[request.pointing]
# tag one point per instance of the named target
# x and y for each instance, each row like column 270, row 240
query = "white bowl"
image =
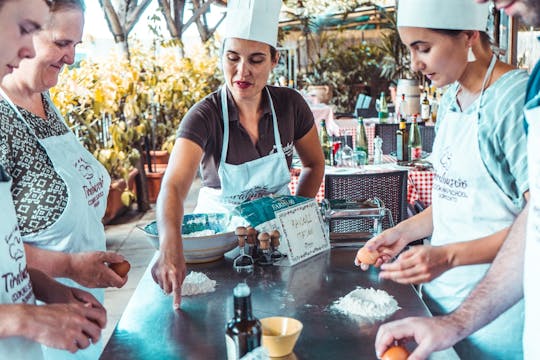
column 199, row 249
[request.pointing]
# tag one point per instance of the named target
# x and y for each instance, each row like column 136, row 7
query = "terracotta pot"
column 153, row 181
column 158, row 157
column 323, row 93
column 115, row 207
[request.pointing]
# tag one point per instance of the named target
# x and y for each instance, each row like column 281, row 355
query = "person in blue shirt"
column 512, row 276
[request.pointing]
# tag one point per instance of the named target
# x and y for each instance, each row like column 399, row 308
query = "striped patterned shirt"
column 501, row 135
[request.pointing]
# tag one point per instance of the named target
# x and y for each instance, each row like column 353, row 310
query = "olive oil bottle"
column 243, row 332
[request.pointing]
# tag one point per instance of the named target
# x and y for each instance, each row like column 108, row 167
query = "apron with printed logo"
column 264, row 176
column 531, row 334
column 16, row 285
column 468, row 204
column 79, row 228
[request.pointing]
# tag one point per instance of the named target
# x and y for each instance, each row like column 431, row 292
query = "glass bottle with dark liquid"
column 243, row 332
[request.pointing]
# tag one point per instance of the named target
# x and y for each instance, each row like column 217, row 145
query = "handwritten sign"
column 303, row 232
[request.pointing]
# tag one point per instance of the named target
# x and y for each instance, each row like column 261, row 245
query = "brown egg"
column 121, row 268
column 396, row 352
column 366, row 256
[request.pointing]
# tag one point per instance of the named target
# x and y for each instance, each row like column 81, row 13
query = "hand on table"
column 419, row 264
column 431, row 334
column 70, row 327
column 90, row 269
column 387, row 244
column 169, row 272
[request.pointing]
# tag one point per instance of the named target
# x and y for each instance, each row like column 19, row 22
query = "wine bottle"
column 402, row 142
column 403, row 108
column 361, row 142
column 383, row 109
column 415, row 141
column 243, row 332
column 326, row 144
column 425, row 108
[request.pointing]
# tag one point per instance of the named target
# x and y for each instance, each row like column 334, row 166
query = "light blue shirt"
column 501, row 135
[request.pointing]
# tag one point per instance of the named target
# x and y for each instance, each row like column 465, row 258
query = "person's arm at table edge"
column 87, row 268
column 310, row 152
column 181, row 170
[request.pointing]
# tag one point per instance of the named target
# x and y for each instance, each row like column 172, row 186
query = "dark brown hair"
column 273, row 51
column 485, row 40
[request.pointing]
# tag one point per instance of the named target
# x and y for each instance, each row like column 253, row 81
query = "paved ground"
column 124, row 237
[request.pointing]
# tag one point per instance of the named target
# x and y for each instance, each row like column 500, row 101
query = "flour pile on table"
column 197, row 283
column 367, row 303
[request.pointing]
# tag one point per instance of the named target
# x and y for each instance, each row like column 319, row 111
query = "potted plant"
column 111, row 105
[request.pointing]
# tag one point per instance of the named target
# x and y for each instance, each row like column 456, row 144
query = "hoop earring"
column 470, row 55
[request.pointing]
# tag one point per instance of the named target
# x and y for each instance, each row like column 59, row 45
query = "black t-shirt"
column 203, row 125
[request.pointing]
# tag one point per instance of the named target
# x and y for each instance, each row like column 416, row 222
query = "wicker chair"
column 428, row 137
column 390, row 187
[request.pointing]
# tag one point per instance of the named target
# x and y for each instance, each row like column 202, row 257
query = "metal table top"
column 150, row 329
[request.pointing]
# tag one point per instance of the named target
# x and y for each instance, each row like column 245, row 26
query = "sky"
column 96, row 26
column 98, row 41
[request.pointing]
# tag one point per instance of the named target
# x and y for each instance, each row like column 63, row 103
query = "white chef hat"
column 443, row 14
column 255, row 20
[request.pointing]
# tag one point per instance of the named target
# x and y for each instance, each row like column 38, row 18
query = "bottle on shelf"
column 425, row 111
column 402, row 142
column 326, row 144
column 434, row 104
column 361, row 146
column 243, row 332
column 403, row 109
column 415, row 141
column 382, row 109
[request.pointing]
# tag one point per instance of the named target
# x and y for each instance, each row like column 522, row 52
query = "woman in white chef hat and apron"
column 69, row 326
column 242, row 136
column 480, row 163
column 59, row 189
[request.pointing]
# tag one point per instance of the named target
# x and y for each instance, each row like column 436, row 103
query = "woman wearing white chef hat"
column 479, row 157
column 242, row 137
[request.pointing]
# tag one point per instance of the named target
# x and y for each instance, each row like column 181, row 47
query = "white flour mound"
column 197, row 283
column 367, row 303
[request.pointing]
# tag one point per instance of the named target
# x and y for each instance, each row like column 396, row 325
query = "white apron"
column 468, row 204
column 79, row 228
column 531, row 334
column 16, row 287
column 253, row 179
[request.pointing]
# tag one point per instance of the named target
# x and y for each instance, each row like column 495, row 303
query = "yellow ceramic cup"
column 280, row 335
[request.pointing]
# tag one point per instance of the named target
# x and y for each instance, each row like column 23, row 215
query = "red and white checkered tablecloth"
column 293, row 184
column 419, row 184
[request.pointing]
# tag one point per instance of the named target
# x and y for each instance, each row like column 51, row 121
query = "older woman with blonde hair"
column 73, row 318
column 59, row 189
